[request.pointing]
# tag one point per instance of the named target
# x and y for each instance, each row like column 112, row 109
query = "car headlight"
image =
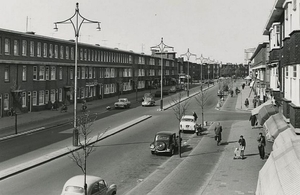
column 152, row 146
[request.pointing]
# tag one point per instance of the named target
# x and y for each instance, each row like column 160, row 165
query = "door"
column 29, row 103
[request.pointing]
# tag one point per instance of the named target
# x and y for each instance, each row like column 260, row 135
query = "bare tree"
column 202, row 99
column 85, row 142
column 179, row 107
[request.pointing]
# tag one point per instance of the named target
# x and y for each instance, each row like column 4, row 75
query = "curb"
column 64, row 151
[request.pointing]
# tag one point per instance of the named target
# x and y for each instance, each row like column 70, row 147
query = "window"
column 34, row 98
column 39, row 49
column 83, row 73
column 78, row 72
column 61, row 52
column 0, row 45
column 287, row 71
column 16, row 47
column 45, row 50
column 41, row 98
column 294, row 5
column 60, row 93
column 7, row 46
column 31, row 48
column 35, row 73
column 50, row 51
column 24, row 73
column 86, row 72
column 47, row 96
column 85, row 55
column 6, row 101
column 95, row 189
column 94, row 72
column 52, row 95
column 81, row 54
column 67, row 52
column 295, row 71
column 71, row 73
column 24, row 48
column 47, row 73
column 60, row 73
column 6, row 74
column 72, row 53
column 23, row 99
column 56, row 51
column 90, row 72
column 42, row 73
column 53, row 72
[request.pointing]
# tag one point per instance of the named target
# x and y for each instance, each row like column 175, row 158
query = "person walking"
column 246, row 102
column 261, row 145
column 253, row 120
column 218, row 133
column 242, row 143
column 195, row 116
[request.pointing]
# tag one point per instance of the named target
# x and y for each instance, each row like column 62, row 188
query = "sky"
column 218, row 29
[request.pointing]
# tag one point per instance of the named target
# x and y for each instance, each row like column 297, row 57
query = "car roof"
column 79, row 180
column 165, row 132
column 188, row 116
column 123, row 98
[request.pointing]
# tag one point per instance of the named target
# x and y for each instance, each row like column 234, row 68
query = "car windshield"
column 75, row 189
column 122, row 100
column 162, row 137
column 187, row 120
column 147, row 99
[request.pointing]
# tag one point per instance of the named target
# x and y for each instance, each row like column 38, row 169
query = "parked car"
column 173, row 89
column 95, row 185
column 122, row 103
column 188, row 123
column 148, row 101
column 165, row 92
column 164, row 142
column 157, row 93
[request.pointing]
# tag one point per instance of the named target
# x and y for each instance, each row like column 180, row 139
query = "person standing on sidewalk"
column 242, row 143
column 218, row 133
column 195, row 116
column 261, row 145
column 246, row 102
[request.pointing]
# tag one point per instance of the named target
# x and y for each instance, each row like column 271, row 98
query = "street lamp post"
column 188, row 54
column 162, row 46
column 76, row 25
column 201, row 58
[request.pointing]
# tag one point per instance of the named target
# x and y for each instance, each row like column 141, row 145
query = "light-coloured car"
column 148, row 101
column 95, row 185
column 122, row 103
column 188, row 123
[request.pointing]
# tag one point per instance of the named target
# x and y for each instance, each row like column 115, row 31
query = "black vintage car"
column 164, row 142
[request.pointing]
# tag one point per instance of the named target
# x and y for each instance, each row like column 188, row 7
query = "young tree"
column 201, row 99
column 179, row 107
column 85, row 142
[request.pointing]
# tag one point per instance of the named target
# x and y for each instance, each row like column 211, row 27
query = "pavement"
column 227, row 176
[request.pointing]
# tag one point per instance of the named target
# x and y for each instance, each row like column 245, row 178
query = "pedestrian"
column 231, row 92
column 242, row 143
column 246, row 102
column 254, row 102
column 195, row 116
column 253, row 120
column 218, row 133
column 243, row 85
column 261, row 145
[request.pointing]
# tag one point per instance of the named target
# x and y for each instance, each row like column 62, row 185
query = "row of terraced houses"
column 276, row 63
column 275, row 66
column 35, row 70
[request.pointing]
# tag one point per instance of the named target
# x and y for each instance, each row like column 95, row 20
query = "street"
column 123, row 159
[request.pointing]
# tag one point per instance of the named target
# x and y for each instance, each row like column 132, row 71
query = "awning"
column 248, row 77
column 284, row 137
column 274, row 125
column 265, row 112
column 280, row 175
column 256, row 110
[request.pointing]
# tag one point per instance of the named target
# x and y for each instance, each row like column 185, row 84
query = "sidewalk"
column 229, row 176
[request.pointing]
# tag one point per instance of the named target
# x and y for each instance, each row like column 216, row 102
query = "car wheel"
column 152, row 152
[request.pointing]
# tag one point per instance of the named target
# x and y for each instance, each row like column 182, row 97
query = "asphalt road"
column 123, row 159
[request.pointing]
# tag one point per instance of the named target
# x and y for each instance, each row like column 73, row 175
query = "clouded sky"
column 218, row 29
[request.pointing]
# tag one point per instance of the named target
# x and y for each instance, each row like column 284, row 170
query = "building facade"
column 37, row 71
